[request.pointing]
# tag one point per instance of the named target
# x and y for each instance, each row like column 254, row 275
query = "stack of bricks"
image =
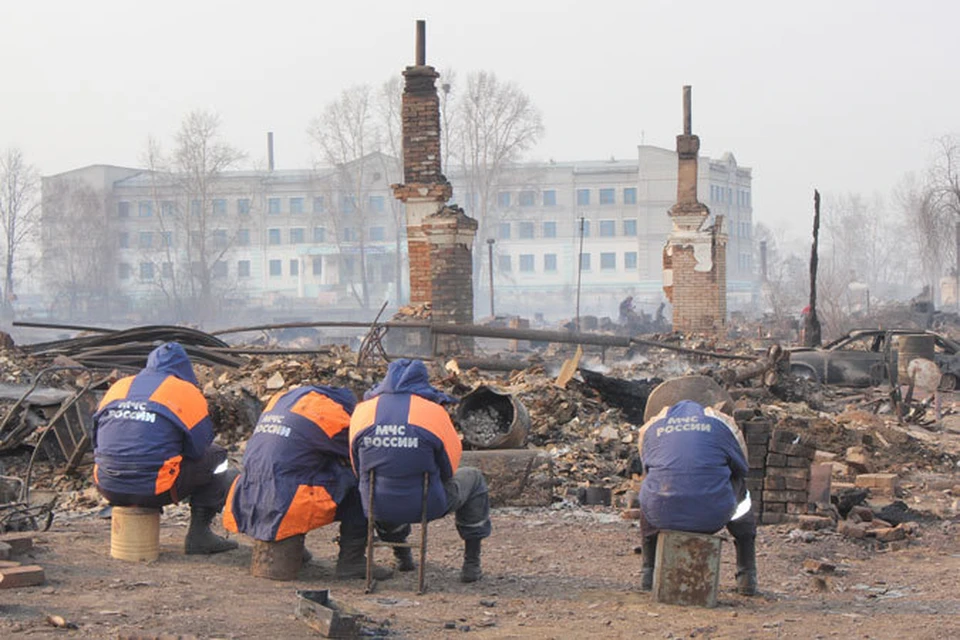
column 757, row 435
column 450, row 234
column 420, row 112
column 699, row 297
column 787, row 476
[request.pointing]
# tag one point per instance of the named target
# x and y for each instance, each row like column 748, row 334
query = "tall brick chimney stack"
column 694, row 258
column 439, row 237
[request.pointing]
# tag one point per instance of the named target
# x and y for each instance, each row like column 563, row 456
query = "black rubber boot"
column 471, row 571
column 404, row 559
column 352, row 560
column 649, row 548
column 746, row 565
column 201, row 540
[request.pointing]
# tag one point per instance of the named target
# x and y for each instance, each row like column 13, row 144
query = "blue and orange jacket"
column 690, row 455
column 401, row 431
column 148, row 423
column 295, row 467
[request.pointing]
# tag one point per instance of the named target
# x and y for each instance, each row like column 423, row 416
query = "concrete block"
column 18, row 543
column 815, row 523
column 687, row 569
column 515, row 477
column 890, row 534
column 852, row 529
column 818, row 489
column 878, row 481
column 25, row 576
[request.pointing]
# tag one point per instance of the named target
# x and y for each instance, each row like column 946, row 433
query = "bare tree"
column 345, row 132
column 931, row 227
column 390, row 108
column 491, row 125
column 185, row 184
column 19, row 213
column 84, row 261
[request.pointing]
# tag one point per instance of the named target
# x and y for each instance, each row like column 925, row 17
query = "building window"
column 607, row 196
column 318, row 204
column 276, row 267
column 219, row 238
column 219, row 207
column 166, row 209
column 549, row 198
column 349, row 234
column 146, row 271
column 318, row 266
column 525, row 231
column 503, row 263
column 166, row 239
column 296, row 205
column 273, row 236
column 608, row 228
column 243, row 237
column 145, row 209
column 219, row 269
column 584, row 262
column 319, row 234
column 527, row 198
column 123, row 271
column 243, row 206
column 298, row 235
column 124, row 240
column 348, row 204
column 630, row 227
column 608, row 260
column 503, row 231
column 630, row 195
column 729, row 195
column 123, row 209
column 273, row 206
column 503, row 199
column 583, row 197
column 630, row 260
column 526, row 263
column 377, row 204
column 549, row 262
column 378, row 234
column 166, row 270
column 550, row 229
column 294, row 266
column 243, row 269
column 195, row 207
column 146, row 240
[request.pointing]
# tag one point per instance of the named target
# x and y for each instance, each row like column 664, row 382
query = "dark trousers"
column 743, row 528
column 196, row 482
column 467, row 497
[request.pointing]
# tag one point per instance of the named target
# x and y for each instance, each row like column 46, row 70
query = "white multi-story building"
column 267, row 239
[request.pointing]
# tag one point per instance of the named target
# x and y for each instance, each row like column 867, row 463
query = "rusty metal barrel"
column 492, row 419
column 910, row 347
column 279, row 560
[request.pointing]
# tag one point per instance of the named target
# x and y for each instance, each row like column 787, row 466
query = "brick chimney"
column 439, row 238
column 694, row 258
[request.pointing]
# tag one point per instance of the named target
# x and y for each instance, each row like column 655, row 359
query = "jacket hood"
column 341, row 395
column 409, row 376
column 171, row 359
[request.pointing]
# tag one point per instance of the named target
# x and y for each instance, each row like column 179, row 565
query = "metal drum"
column 910, row 347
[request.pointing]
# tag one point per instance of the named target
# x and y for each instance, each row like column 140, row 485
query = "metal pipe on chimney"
column 687, row 108
column 270, row 150
column 421, row 43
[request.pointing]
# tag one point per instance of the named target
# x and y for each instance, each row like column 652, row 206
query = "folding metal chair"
column 372, row 543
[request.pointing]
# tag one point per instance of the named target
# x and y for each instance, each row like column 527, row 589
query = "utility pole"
column 579, row 272
column 490, row 242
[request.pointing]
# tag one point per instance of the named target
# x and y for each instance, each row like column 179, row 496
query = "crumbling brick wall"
column 451, row 233
column 699, row 297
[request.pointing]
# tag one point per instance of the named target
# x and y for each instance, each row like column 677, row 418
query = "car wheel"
column 948, row 382
column 805, row 373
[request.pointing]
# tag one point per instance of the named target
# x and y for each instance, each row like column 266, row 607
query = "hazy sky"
column 839, row 95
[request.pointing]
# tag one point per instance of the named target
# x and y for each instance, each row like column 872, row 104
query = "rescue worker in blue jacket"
column 153, row 446
column 695, row 462
column 400, row 432
column 297, row 477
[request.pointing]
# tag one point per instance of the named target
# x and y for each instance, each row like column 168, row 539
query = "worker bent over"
column 152, row 441
column 400, row 432
column 695, row 461
column 297, row 477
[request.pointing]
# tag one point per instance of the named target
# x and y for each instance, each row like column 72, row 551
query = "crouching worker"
column 152, row 443
column 400, row 432
column 297, row 477
column 695, row 461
